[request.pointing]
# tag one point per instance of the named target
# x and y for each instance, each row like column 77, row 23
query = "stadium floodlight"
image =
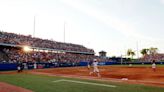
column 26, row 48
column 46, row 51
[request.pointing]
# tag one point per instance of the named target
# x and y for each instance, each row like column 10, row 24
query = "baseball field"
column 137, row 78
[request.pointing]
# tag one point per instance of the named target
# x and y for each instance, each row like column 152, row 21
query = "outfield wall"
column 13, row 66
column 119, row 63
column 5, row 67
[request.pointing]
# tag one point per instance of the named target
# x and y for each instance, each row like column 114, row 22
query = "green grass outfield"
column 42, row 83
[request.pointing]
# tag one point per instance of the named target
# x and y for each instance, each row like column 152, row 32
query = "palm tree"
column 153, row 50
column 144, row 51
column 130, row 53
column 150, row 52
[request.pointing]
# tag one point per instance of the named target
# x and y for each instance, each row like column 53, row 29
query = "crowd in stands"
column 17, row 39
column 15, row 55
column 18, row 55
column 150, row 57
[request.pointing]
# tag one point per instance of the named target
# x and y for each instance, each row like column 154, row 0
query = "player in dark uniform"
column 20, row 67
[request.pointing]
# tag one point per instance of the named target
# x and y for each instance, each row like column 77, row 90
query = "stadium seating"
column 16, row 54
column 17, row 39
column 150, row 57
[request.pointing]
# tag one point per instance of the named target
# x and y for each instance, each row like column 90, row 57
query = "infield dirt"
column 134, row 75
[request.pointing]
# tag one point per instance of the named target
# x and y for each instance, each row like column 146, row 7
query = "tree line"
column 145, row 51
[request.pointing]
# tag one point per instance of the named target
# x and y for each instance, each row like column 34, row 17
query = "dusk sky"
column 110, row 25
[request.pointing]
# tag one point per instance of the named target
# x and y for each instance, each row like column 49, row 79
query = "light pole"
column 64, row 32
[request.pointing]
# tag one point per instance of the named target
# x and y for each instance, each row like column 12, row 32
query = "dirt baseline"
column 135, row 75
column 4, row 87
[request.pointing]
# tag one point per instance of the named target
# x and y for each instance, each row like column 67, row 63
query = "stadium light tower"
column 64, row 32
column 34, row 28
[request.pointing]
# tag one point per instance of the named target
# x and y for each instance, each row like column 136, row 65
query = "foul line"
column 89, row 83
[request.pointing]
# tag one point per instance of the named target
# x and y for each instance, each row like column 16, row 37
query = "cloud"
column 162, row 2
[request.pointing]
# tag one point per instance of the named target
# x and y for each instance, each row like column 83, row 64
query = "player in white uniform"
column 154, row 66
column 95, row 68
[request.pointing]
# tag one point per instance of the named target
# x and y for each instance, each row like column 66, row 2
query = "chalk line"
column 89, row 83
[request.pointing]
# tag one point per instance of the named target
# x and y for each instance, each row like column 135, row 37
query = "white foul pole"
column 137, row 51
